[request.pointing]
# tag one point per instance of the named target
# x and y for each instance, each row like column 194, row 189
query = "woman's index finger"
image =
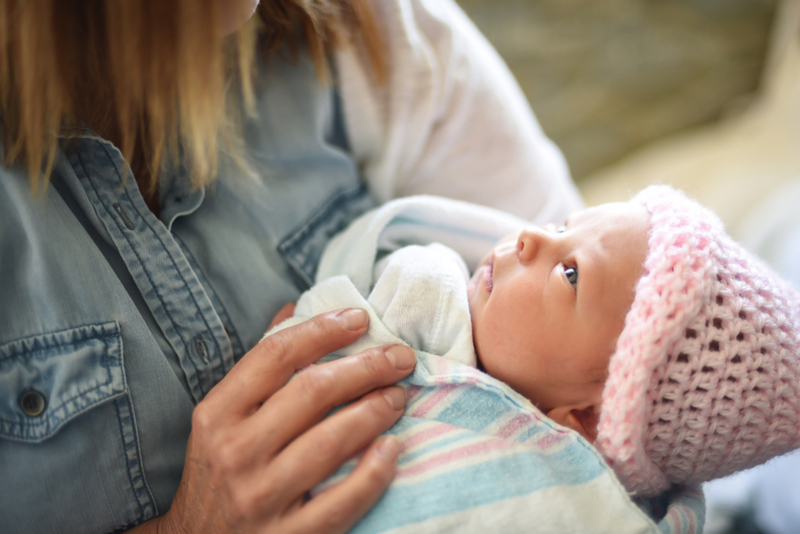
column 273, row 361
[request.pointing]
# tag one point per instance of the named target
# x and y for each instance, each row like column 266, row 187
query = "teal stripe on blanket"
column 471, row 486
column 475, row 409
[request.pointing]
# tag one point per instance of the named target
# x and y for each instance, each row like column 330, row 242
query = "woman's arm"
column 450, row 120
column 260, row 441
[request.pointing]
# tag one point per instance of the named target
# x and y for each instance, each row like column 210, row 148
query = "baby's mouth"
column 488, row 275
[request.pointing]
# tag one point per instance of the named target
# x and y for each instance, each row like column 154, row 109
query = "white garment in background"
column 450, row 120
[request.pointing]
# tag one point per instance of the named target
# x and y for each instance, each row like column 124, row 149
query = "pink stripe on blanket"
column 453, row 456
column 429, row 433
column 435, row 398
column 549, row 440
column 514, row 426
column 411, row 392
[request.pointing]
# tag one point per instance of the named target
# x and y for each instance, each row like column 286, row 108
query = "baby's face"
column 548, row 304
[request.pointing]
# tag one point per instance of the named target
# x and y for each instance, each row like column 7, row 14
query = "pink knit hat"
column 705, row 379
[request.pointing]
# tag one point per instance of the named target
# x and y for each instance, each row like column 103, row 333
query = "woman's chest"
column 114, row 323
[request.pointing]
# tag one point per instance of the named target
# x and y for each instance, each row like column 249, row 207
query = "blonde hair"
column 153, row 74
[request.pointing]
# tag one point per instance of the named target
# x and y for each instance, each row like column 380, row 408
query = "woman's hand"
column 258, row 443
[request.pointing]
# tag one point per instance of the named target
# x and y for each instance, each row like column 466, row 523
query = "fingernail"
column 395, row 396
column 403, row 358
column 389, row 447
column 353, row 319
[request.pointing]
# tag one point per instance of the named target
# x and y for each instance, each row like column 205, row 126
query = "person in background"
column 172, row 170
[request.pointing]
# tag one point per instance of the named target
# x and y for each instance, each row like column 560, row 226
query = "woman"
column 172, row 171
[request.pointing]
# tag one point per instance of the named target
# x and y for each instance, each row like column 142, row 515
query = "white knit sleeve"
column 420, row 295
column 451, row 120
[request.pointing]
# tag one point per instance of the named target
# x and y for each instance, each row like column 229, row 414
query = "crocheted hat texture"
column 705, row 378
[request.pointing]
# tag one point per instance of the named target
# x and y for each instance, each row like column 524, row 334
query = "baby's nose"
column 529, row 242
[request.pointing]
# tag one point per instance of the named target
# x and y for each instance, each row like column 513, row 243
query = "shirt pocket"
column 66, row 422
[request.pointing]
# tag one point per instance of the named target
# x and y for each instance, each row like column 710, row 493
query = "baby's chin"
column 478, row 362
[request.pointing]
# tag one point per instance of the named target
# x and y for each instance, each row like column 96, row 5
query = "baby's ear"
column 581, row 420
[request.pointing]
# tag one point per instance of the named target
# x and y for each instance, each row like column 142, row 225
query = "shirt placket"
column 158, row 266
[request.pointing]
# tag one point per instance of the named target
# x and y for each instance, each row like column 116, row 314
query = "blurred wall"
column 607, row 76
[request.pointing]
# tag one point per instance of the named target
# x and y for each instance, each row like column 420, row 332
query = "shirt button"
column 32, row 403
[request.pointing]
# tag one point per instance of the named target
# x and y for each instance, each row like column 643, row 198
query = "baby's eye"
column 560, row 229
column 572, row 276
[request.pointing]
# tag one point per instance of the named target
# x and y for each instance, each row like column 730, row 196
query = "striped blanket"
column 477, row 457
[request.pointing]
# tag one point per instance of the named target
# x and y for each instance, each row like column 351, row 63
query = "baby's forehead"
column 615, row 225
column 607, row 211
column 611, row 245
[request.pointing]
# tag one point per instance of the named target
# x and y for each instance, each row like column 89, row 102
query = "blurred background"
column 700, row 94
column 607, row 76
column 703, row 94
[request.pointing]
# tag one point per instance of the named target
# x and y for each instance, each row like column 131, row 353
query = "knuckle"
column 316, row 384
column 378, row 408
column 324, row 324
column 379, row 474
column 329, row 441
column 202, row 418
column 254, row 497
column 336, row 518
column 253, row 379
column 278, row 347
column 226, row 455
column 375, row 363
column 321, row 326
column 285, row 347
column 244, row 504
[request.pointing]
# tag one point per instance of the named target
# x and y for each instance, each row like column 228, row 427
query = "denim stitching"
column 15, row 354
column 237, row 347
column 339, row 197
column 27, row 431
column 171, row 258
column 309, row 227
column 127, row 461
column 150, row 501
column 147, row 275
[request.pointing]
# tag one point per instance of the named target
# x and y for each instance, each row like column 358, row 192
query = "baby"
column 659, row 339
column 640, row 325
column 569, row 289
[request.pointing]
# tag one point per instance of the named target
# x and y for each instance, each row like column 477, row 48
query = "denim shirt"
column 114, row 323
